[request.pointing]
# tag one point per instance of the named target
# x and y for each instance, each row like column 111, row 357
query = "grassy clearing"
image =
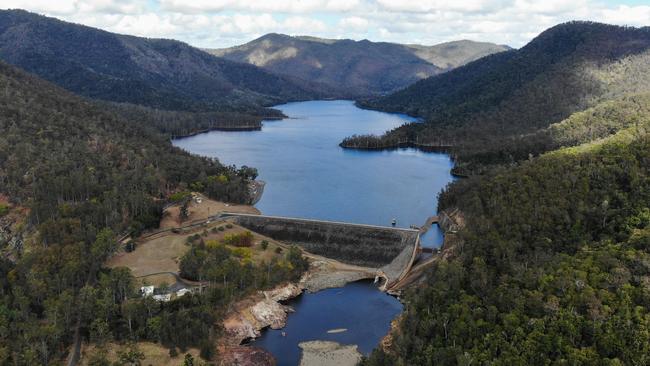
column 162, row 254
column 203, row 210
column 154, row 353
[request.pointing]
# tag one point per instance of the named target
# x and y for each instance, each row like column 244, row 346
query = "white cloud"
column 219, row 23
column 549, row 7
column 354, row 24
column 42, row 6
column 469, row 6
column 279, row 6
column 72, row 7
column 111, row 6
column 627, row 15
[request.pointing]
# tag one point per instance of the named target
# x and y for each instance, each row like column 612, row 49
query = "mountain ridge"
column 158, row 73
column 483, row 108
column 356, row 68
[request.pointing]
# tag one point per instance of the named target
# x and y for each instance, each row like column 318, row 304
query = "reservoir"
column 308, row 175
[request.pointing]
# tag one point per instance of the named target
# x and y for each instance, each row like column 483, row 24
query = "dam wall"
column 388, row 248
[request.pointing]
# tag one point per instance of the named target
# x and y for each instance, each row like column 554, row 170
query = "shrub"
column 179, row 196
column 214, row 230
column 135, row 228
column 244, row 239
column 265, row 244
column 4, row 209
column 243, row 253
column 221, row 228
column 298, row 262
column 130, row 246
column 173, row 352
column 278, row 250
column 228, row 226
column 211, row 244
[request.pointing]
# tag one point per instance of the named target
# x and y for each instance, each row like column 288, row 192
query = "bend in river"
column 308, row 175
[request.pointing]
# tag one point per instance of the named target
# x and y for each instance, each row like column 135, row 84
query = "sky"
column 225, row 23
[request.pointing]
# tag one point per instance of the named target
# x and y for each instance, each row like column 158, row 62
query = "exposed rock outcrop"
column 283, row 293
column 264, row 311
column 450, row 221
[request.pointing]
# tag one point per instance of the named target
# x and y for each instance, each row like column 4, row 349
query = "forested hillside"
column 553, row 264
column 355, row 68
column 184, row 123
column 157, row 73
column 483, row 109
column 74, row 177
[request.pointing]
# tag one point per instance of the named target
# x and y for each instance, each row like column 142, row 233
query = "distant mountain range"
column 497, row 109
column 157, row 73
column 355, row 68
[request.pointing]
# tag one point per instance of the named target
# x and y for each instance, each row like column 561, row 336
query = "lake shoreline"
column 256, row 126
column 448, row 150
column 256, row 189
column 401, row 145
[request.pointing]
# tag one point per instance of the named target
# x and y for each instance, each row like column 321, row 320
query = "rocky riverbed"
column 326, row 353
column 325, row 274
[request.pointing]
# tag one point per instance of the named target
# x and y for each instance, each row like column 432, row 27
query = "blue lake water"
column 308, row 175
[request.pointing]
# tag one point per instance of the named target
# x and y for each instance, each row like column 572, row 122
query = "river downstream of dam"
column 308, row 175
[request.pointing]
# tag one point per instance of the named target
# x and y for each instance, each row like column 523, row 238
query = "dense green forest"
column 157, row 73
column 76, row 177
column 182, row 123
column 63, row 156
column 553, row 264
column 487, row 110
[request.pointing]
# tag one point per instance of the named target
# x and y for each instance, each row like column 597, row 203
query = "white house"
column 146, row 291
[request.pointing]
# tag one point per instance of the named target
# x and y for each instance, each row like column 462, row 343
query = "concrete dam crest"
column 391, row 251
